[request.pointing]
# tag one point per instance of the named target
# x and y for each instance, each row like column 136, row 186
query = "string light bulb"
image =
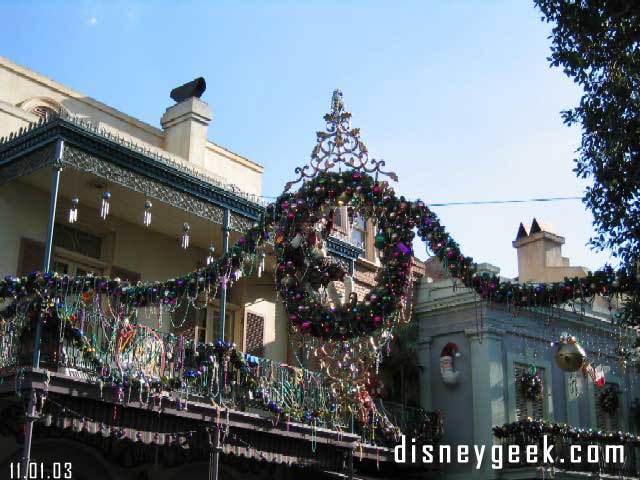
column 146, row 219
column 104, row 205
column 73, row 211
column 185, row 236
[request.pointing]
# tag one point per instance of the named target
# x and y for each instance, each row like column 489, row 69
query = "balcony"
column 141, row 363
column 576, row 452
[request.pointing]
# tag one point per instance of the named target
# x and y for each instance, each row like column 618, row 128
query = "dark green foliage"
column 597, row 43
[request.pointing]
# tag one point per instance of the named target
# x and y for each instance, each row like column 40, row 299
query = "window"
column 77, row 241
column 528, row 407
column 359, row 230
column 43, row 111
column 76, row 252
column 338, row 220
column 607, row 421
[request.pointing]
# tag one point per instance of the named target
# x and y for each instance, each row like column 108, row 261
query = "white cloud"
column 92, row 20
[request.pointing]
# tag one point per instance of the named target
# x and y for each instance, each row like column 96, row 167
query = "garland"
column 306, row 220
column 301, row 271
column 528, row 431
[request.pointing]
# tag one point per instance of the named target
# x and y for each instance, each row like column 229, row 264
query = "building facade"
column 476, row 356
column 92, row 193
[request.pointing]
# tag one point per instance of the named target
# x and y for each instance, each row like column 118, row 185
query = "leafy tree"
column 597, row 43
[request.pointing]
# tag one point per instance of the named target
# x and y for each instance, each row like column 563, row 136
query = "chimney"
column 540, row 255
column 185, row 123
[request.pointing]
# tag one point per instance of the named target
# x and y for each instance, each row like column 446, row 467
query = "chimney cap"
column 194, row 88
column 523, row 232
column 540, row 226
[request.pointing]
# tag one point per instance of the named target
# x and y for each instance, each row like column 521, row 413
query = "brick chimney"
column 540, row 255
column 185, row 123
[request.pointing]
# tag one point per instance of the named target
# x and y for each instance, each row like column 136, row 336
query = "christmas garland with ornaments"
column 126, row 354
column 298, row 223
column 529, row 430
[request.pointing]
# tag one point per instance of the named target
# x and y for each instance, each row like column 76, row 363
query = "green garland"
column 529, row 430
column 301, row 271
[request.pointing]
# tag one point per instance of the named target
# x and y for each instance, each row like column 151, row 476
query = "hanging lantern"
column 570, row 356
column 185, row 236
column 146, row 219
column 73, row 211
column 261, row 264
column 210, row 258
column 104, row 206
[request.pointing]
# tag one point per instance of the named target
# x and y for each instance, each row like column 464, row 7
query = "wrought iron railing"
column 572, row 449
column 138, row 361
column 415, row 422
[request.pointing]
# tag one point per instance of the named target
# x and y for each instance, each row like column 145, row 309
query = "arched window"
column 42, row 107
column 43, row 111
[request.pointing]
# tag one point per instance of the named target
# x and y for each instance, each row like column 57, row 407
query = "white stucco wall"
column 21, row 88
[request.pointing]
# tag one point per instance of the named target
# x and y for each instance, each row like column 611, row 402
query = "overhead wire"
column 485, row 202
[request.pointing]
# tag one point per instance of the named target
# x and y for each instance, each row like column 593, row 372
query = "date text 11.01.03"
column 42, row 471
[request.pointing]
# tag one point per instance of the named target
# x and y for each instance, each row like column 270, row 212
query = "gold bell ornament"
column 570, row 355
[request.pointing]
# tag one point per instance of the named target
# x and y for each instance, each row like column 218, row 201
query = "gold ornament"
column 570, row 356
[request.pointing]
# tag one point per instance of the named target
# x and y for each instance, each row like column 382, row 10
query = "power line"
column 487, row 202
column 498, row 202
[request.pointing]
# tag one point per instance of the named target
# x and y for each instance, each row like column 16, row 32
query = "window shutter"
column 31, row 256
column 524, row 407
column 255, row 334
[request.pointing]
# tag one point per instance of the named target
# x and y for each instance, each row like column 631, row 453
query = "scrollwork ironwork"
column 86, row 162
column 339, row 145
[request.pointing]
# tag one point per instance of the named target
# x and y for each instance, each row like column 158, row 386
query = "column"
column 488, row 386
column 223, row 291
column 424, row 358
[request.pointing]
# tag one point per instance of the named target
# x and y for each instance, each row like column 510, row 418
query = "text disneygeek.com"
column 501, row 454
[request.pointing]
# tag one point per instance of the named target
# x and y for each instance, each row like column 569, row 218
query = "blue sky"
column 457, row 97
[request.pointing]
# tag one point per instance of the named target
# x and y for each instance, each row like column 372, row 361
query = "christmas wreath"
column 531, row 385
column 306, row 219
column 609, row 400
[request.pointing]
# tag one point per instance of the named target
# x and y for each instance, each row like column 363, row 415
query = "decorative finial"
column 339, row 144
